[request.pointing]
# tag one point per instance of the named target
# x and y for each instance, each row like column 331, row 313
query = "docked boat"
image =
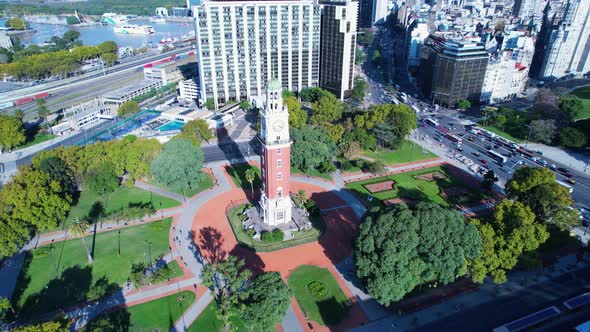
column 132, row 29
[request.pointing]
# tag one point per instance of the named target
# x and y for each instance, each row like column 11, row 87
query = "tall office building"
column 564, row 45
column 365, row 14
column 459, row 72
column 528, row 8
column 241, row 45
column 380, row 11
column 337, row 46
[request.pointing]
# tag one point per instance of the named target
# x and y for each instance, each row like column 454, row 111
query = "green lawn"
column 238, row 175
column 203, row 185
column 119, row 199
column 407, row 186
column 312, row 172
column 159, row 314
column 409, row 151
column 329, row 309
column 503, row 134
column 72, row 283
column 584, row 94
column 175, row 270
column 39, row 138
column 245, row 240
column 209, row 322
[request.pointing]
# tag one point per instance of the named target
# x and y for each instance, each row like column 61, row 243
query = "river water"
column 96, row 34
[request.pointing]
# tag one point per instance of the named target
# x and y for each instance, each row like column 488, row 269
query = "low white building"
column 124, row 94
column 169, row 72
column 189, row 90
column 5, row 41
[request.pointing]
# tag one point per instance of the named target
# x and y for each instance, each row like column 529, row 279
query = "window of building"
column 279, row 163
column 279, row 151
column 280, row 215
column 280, row 192
column 279, row 176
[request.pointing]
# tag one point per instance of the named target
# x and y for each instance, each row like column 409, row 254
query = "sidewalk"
column 399, row 168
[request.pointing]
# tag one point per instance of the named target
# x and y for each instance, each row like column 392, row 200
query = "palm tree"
column 43, row 111
column 250, row 176
column 79, row 229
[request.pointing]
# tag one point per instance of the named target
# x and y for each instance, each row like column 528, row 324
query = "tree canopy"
column 179, row 165
column 265, row 302
column 388, row 122
column 572, row 106
column 297, row 116
column 12, row 132
column 312, row 95
column 311, row 146
column 197, row 131
column 464, row 104
column 571, row 137
column 360, row 89
column 59, row 171
column 102, row 179
column 365, row 37
column 127, row 108
column 327, row 109
column 16, row 23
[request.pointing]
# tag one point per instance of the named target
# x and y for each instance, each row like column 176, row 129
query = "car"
column 563, row 170
column 570, row 180
column 488, row 146
column 553, row 167
column 477, row 154
column 483, row 161
column 471, row 138
column 460, row 149
column 569, row 176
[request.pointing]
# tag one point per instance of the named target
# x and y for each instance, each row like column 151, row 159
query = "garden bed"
column 380, row 186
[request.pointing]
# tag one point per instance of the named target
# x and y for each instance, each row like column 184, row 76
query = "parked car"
column 477, row 154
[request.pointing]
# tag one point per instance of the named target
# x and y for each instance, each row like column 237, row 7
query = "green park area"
column 311, row 172
column 319, row 295
column 36, row 139
column 205, row 184
column 156, row 315
column 408, row 152
column 584, row 94
column 435, row 184
column 210, row 322
column 504, row 134
column 55, row 276
column 238, row 174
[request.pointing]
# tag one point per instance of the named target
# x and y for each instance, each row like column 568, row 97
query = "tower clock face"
column 278, row 125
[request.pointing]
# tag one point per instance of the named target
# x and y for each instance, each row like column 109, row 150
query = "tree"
column 365, row 37
column 500, row 26
column 196, row 131
column 102, row 179
column 43, row 111
column 265, row 302
column 244, row 105
column 376, row 167
column 12, row 132
column 311, row 146
column 139, row 155
column 179, row 165
column 525, row 179
column 250, row 176
column 79, row 229
column 109, row 59
column 489, row 178
column 512, row 232
column 108, row 46
column 16, row 24
column 359, row 56
column 297, row 116
column 59, row 171
column 71, row 20
column 14, row 234
column 312, row 95
column 127, row 108
column 391, row 124
column 5, row 306
column 571, row 137
column 362, row 137
column 360, row 88
column 335, row 131
column 32, row 198
column 327, row 109
column 572, row 106
column 376, row 57
column 543, row 131
column 386, row 253
column 350, row 150
column 464, row 104
column 227, row 280
column 59, row 326
column 210, row 104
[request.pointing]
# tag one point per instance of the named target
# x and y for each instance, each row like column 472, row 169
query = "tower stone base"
column 275, row 211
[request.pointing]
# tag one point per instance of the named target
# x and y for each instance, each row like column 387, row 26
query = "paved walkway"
column 191, row 314
column 160, row 191
column 406, row 167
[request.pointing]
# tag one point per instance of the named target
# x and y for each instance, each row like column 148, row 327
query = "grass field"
column 119, row 199
column 584, row 94
column 329, row 309
column 503, row 134
column 175, row 269
column 38, row 138
column 209, row 322
column 40, row 288
column 409, row 151
column 159, row 314
column 407, row 186
column 238, row 175
column 203, row 185
column 245, row 240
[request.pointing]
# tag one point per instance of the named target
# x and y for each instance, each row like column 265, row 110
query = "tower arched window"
column 280, row 192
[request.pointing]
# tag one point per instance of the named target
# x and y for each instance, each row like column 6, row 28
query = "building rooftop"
column 124, row 91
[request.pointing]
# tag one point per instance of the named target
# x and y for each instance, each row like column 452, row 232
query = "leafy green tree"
column 386, row 253
column 12, row 132
column 446, row 244
column 59, row 171
column 210, row 104
column 359, row 56
column 53, row 326
column 16, row 24
column 265, row 302
column 390, row 123
column 297, row 116
column 311, row 146
column 312, row 95
column 489, row 178
column 179, row 165
column 78, row 229
column 376, row 167
column 5, row 306
column 13, row 234
column 335, row 131
column 227, row 280
column 376, row 57
column 551, row 203
column 32, row 198
column 464, row 104
column 571, row 137
column 109, row 59
column 250, row 175
column 71, row 20
column 139, row 156
column 43, row 111
column 543, row 131
column 327, row 109
column 108, row 46
column 244, row 105
column 525, row 179
column 197, row 131
column 359, row 91
column 572, row 106
column 362, row 137
column 512, row 232
column 287, row 93
column 103, row 179
column 127, row 108
column 365, row 37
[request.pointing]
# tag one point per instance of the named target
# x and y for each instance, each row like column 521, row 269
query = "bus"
column 415, row 108
column 498, row 157
column 431, row 122
column 525, row 152
column 454, row 138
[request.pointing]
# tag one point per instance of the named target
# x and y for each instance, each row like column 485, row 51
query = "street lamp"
column 526, row 144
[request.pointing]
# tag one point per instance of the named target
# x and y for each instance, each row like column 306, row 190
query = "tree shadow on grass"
column 238, row 171
column 211, row 242
column 115, row 321
column 414, row 194
column 332, row 311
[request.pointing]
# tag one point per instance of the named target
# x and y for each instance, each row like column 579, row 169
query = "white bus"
column 431, row 122
column 497, row 156
column 415, row 108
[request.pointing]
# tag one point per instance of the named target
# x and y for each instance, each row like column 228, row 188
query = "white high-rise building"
column 242, row 45
column 380, row 11
column 568, row 44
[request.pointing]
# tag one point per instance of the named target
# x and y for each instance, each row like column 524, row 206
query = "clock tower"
column 275, row 202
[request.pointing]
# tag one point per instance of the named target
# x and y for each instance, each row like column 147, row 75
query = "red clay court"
column 379, row 186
